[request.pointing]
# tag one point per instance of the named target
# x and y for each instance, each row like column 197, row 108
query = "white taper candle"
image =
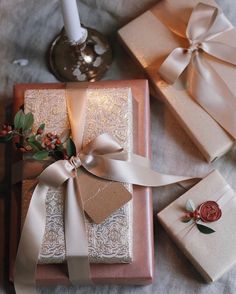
column 74, row 31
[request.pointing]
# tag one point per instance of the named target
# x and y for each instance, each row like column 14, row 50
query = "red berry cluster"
column 6, row 129
column 50, row 141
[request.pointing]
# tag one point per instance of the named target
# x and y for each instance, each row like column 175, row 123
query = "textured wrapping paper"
column 150, row 41
column 108, row 111
column 140, row 270
column 212, row 254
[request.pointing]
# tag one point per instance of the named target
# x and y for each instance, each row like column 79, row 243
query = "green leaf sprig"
column 22, row 125
column 42, row 144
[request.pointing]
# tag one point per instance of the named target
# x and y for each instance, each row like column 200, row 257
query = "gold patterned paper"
column 108, row 111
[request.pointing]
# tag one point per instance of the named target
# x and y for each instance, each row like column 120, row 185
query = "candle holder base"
column 80, row 62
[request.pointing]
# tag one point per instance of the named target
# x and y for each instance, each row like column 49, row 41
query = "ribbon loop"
column 103, row 144
column 175, row 64
column 200, row 22
column 56, row 174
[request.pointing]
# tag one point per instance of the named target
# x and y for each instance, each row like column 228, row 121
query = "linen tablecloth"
column 26, row 29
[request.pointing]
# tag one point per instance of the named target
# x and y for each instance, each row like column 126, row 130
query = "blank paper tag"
column 101, row 198
column 107, row 201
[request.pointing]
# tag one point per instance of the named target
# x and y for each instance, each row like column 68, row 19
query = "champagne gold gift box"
column 150, row 41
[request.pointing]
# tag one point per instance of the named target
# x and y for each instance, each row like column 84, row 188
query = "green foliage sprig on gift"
column 41, row 144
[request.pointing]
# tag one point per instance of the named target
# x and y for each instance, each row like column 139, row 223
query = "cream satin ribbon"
column 104, row 158
column 204, row 84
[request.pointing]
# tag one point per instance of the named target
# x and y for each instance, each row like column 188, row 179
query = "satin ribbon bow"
column 104, row 157
column 204, row 84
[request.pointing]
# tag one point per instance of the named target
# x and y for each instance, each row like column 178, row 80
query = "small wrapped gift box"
column 120, row 108
column 152, row 37
column 205, row 233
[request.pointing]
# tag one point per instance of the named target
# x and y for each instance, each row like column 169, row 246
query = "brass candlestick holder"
column 86, row 60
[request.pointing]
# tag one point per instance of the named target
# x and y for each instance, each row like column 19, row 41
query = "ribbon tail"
column 129, row 172
column 220, row 26
column 220, row 50
column 126, row 156
column 76, row 236
column 30, row 243
column 142, row 161
column 211, row 92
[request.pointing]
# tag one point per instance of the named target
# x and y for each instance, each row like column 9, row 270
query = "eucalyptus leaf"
column 57, row 154
column 40, row 155
column 190, row 206
column 204, row 229
column 28, row 121
column 19, row 119
column 35, row 145
column 42, row 127
column 31, row 138
column 59, row 147
column 70, row 148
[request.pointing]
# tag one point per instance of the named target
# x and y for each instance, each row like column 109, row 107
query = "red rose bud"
column 209, row 211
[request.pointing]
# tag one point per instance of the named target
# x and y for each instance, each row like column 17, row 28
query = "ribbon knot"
column 205, row 84
column 75, row 161
column 195, row 46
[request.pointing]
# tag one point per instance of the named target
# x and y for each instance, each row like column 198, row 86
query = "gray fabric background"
column 27, row 27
